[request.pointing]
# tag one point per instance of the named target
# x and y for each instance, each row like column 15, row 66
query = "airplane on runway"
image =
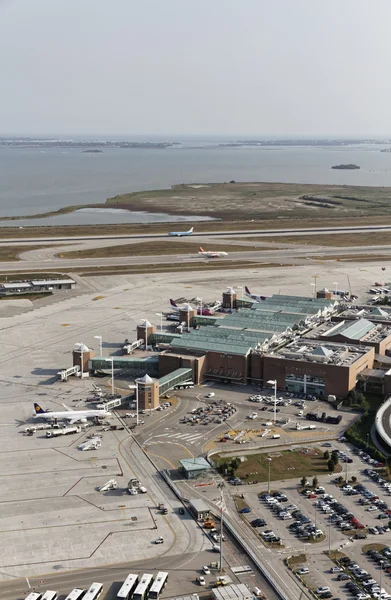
column 210, row 254
column 253, row 296
column 205, row 312
column 72, row 415
column 181, row 233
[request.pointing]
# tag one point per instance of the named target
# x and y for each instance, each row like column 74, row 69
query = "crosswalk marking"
column 191, row 438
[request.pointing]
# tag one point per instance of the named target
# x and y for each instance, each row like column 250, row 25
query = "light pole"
column 274, row 383
column 81, row 347
column 268, row 479
column 221, row 525
column 313, row 289
column 329, row 540
column 112, row 375
column 135, row 387
column 161, row 320
column 381, row 573
column 335, row 283
column 367, row 441
column 99, row 337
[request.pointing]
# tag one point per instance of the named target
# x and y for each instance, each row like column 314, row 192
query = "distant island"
column 90, row 145
column 350, row 166
column 386, row 150
column 92, row 151
column 303, row 142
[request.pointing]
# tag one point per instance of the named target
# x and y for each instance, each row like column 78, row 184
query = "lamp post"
column 313, row 285
column 367, row 441
column 99, row 337
column 161, row 320
column 274, row 383
column 80, row 347
column 335, row 283
column 112, row 375
column 381, row 573
column 268, row 478
column 221, row 525
column 135, row 387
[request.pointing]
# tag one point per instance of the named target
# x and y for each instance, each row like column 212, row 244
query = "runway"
column 218, row 233
column 298, row 255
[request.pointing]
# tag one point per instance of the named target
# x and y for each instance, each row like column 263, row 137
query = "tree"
column 315, row 482
column 235, row 464
column 354, row 478
column 331, row 465
column 303, row 481
column 326, row 455
column 334, row 458
column 340, row 479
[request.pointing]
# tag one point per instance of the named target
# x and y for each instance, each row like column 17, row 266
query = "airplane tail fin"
column 201, row 249
column 173, row 303
column 191, row 229
column 247, row 290
column 38, row 409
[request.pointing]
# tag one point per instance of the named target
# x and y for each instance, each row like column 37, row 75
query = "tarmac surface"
column 53, row 520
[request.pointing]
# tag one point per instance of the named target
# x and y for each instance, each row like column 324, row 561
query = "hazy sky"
column 266, row 67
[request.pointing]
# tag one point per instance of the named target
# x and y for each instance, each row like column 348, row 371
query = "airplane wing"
column 68, row 407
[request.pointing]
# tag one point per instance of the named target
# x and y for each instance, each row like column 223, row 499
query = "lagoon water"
column 34, row 181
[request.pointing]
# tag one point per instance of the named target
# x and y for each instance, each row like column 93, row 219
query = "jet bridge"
column 178, row 376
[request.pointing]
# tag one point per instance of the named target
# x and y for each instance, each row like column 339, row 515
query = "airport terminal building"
column 302, row 343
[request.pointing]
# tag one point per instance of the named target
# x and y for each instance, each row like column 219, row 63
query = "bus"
column 75, row 594
column 141, row 591
column 158, row 585
column 185, row 386
column 50, row 595
column 128, row 587
column 34, row 596
column 94, row 591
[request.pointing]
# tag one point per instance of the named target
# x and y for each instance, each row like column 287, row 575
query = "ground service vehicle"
column 209, row 525
column 75, row 594
column 141, row 591
column 94, row 591
column 158, row 585
column 128, row 587
column 34, row 596
column 50, row 595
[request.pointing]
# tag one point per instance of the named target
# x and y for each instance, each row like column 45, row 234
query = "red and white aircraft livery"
column 210, row 254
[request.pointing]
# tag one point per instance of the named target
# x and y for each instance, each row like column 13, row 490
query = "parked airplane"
column 209, row 254
column 181, row 233
column 69, row 413
column 253, row 296
column 177, row 308
column 206, row 312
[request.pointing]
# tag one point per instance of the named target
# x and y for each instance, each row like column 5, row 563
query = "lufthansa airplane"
column 72, row 415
